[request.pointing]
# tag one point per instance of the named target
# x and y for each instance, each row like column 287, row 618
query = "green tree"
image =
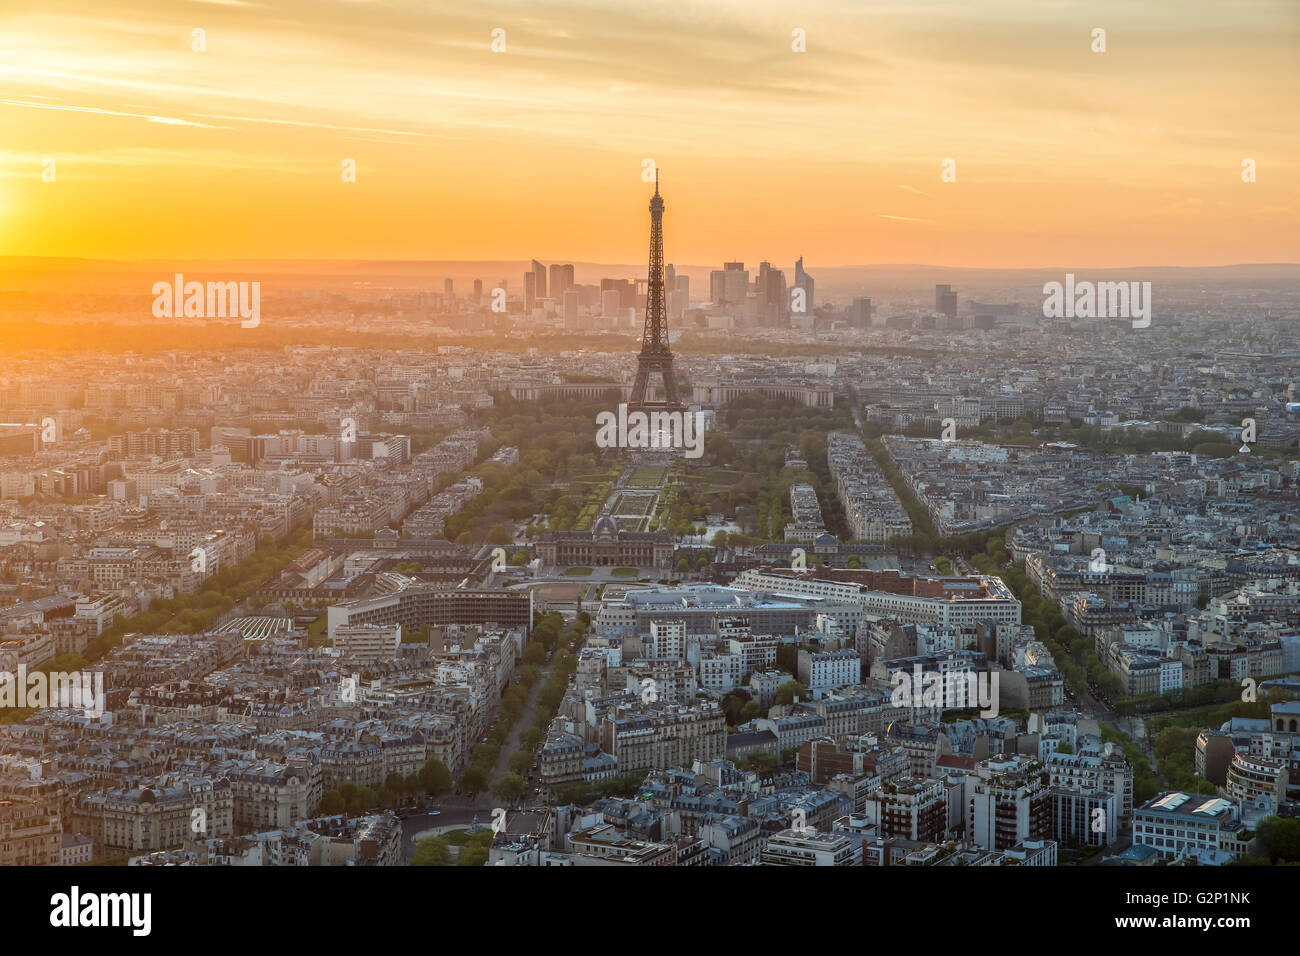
column 332, row 804
column 510, row 787
column 474, row 781
column 363, row 800
column 521, row 761
column 787, row 692
column 473, row 856
column 1279, row 839
column 733, row 702
column 435, row 778
column 432, row 851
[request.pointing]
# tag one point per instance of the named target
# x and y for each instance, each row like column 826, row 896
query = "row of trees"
column 557, row 445
column 1073, row 653
column 436, row 851
column 550, row 635
column 1202, row 695
column 584, row 792
column 1175, row 750
column 478, row 776
column 185, row 613
column 219, row 594
column 1215, row 715
column 432, row 779
column 1145, row 783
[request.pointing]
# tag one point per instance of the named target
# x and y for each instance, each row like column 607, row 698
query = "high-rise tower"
column 656, row 357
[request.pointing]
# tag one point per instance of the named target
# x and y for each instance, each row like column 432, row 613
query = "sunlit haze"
column 1062, row 155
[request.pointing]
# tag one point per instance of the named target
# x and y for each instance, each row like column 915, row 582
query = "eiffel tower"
column 656, row 357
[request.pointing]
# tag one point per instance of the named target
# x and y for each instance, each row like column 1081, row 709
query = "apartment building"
column 1177, row 824
column 811, row 847
column 30, row 832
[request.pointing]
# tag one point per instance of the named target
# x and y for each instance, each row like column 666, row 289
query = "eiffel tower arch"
column 655, row 358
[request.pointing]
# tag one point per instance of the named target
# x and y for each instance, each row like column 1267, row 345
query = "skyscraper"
column 626, row 289
column 773, row 300
column 609, row 303
column 729, row 284
column 860, row 313
column 530, row 291
column 945, row 300
column 679, row 296
column 656, row 357
column 539, row 283
column 561, row 280
column 803, row 280
column 571, row 308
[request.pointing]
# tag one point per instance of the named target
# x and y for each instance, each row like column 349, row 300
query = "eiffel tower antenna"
column 656, row 357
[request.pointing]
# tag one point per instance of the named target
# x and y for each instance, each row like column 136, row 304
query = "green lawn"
column 633, row 504
column 647, row 476
column 577, row 572
column 623, row 573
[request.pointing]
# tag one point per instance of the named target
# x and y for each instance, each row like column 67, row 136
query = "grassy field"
column 623, row 573
column 648, row 477
column 627, row 504
column 577, row 572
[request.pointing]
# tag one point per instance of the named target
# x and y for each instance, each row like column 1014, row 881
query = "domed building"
column 605, row 545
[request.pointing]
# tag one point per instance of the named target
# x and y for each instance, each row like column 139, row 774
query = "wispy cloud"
column 304, row 123
column 164, row 120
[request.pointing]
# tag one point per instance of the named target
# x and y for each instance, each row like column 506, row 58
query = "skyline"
column 201, row 156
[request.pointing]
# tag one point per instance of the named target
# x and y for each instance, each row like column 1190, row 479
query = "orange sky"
column 1064, row 157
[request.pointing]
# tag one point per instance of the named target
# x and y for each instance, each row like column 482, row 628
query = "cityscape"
column 364, row 555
